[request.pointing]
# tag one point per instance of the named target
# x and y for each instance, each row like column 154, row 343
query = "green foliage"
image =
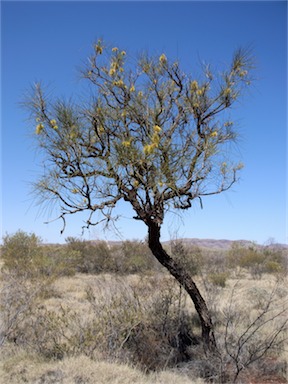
column 135, row 257
column 150, row 134
column 25, row 255
column 124, row 258
column 273, row 267
column 190, row 257
column 60, row 260
column 257, row 260
column 22, row 253
column 93, row 257
column 219, row 279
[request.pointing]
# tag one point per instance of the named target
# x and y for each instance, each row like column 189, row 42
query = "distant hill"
column 211, row 244
column 226, row 244
column 222, row 244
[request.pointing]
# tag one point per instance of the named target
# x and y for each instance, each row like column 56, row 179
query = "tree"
column 150, row 135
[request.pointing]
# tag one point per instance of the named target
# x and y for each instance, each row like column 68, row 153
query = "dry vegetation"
column 61, row 325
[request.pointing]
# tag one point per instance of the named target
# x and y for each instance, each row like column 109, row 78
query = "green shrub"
column 101, row 257
column 25, row 255
column 134, row 257
column 22, row 253
column 219, row 279
column 273, row 267
column 93, row 257
column 61, row 261
column 190, row 257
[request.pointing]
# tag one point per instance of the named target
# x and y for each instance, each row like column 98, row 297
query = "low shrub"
column 190, row 257
column 22, row 254
column 219, row 279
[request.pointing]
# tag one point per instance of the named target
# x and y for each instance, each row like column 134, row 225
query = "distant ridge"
column 220, row 244
column 224, row 244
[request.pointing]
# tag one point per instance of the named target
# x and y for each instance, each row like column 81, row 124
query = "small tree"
column 150, row 135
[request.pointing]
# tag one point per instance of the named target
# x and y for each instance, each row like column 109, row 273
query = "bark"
column 186, row 281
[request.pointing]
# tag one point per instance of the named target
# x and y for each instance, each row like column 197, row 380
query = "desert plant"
column 19, row 297
column 219, row 278
column 189, row 257
column 21, row 253
column 94, row 257
column 152, row 136
column 253, row 333
column 135, row 257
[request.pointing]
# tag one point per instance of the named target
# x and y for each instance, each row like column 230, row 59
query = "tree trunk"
column 186, row 281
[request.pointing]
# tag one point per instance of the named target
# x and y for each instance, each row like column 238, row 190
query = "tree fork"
column 186, row 281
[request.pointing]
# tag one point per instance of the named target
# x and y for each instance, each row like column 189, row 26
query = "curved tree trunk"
column 186, row 281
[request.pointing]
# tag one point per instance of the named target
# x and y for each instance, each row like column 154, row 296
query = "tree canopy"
column 148, row 134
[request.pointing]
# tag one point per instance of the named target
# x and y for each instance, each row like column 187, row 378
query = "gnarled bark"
column 186, row 281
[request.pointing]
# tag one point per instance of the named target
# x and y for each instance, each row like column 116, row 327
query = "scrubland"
column 89, row 313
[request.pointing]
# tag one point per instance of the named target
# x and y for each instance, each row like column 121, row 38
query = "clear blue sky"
column 49, row 40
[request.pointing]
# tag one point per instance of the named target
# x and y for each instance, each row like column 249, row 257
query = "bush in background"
column 257, row 260
column 22, row 254
column 190, row 257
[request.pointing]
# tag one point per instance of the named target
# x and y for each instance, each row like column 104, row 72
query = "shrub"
column 134, row 257
column 190, row 257
column 258, row 260
column 100, row 257
column 25, row 255
column 19, row 298
column 219, row 279
column 93, row 257
column 251, row 332
column 22, row 254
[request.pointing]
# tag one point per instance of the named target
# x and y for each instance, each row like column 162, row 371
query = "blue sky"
column 48, row 41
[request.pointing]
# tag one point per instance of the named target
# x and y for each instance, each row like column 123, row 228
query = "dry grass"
column 22, row 368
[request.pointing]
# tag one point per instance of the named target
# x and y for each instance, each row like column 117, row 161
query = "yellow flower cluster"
column 214, row 134
column 163, row 59
column 200, row 92
column 149, row 148
column 240, row 166
column 112, row 71
column 118, row 83
column 114, row 67
column 132, row 88
column 155, row 139
column 223, row 168
column 227, row 91
column 99, row 48
column 194, row 86
column 157, row 128
column 73, row 135
column 243, row 73
column 39, row 128
column 115, row 49
column 74, row 191
column 54, row 124
column 126, row 143
column 101, row 129
column 196, row 105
